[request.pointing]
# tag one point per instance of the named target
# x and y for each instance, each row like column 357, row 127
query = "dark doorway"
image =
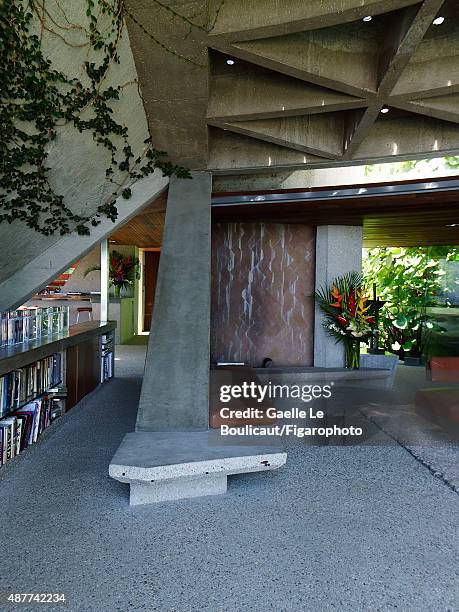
column 150, row 276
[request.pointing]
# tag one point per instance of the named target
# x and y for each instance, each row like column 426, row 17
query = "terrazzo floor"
column 339, row 528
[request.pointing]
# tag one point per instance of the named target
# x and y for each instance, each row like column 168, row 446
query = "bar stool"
column 81, row 309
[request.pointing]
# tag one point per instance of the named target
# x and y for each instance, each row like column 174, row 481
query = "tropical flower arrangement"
column 348, row 311
column 122, row 271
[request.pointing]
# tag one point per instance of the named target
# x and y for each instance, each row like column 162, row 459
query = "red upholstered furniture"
column 444, row 369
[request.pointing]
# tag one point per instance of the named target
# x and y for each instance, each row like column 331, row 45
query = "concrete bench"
column 164, row 466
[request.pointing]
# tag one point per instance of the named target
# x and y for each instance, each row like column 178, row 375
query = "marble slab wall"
column 262, row 293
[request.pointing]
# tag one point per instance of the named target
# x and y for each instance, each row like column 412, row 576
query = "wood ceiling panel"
column 398, row 220
column 146, row 228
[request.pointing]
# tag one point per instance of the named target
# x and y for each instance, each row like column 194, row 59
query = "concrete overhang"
column 305, row 84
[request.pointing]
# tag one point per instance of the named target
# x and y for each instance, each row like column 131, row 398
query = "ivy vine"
column 36, row 99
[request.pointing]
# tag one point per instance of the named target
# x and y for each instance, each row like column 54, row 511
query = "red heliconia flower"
column 342, row 319
column 335, row 294
column 352, row 303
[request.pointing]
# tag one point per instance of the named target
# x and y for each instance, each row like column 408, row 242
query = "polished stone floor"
column 339, row 528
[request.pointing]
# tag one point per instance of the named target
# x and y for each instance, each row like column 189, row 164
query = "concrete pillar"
column 104, row 280
column 338, row 250
column 175, row 390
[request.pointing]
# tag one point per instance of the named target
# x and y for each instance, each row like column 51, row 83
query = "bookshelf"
column 107, row 356
column 42, row 379
column 26, row 384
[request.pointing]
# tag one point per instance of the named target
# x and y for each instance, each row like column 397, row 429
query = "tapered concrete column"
column 175, row 387
column 338, row 250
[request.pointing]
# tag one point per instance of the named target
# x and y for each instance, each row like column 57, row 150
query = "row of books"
column 21, row 386
column 24, row 426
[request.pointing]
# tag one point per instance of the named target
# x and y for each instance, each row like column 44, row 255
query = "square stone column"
column 175, row 389
column 338, row 250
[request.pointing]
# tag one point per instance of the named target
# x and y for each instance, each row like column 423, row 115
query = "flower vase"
column 117, row 291
column 352, row 354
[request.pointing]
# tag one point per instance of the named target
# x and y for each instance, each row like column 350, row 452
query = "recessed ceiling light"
column 367, row 18
column 230, row 62
column 438, row 20
column 384, row 110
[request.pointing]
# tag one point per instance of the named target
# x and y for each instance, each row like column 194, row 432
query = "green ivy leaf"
column 50, row 96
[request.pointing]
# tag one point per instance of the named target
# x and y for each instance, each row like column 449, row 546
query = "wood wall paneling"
column 83, row 370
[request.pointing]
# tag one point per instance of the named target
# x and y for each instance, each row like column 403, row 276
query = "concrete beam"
column 338, row 59
column 398, row 45
column 290, row 179
column 229, row 151
column 394, row 139
column 320, row 135
column 399, row 136
column 241, row 20
column 432, row 77
column 175, row 53
column 35, row 275
column 444, row 108
column 175, row 387
column 264, row 94
column 409, row 29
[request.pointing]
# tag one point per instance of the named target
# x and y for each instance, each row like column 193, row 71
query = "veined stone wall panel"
column 262, row 293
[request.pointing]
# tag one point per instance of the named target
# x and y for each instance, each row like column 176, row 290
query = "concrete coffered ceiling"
column 305, row 84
